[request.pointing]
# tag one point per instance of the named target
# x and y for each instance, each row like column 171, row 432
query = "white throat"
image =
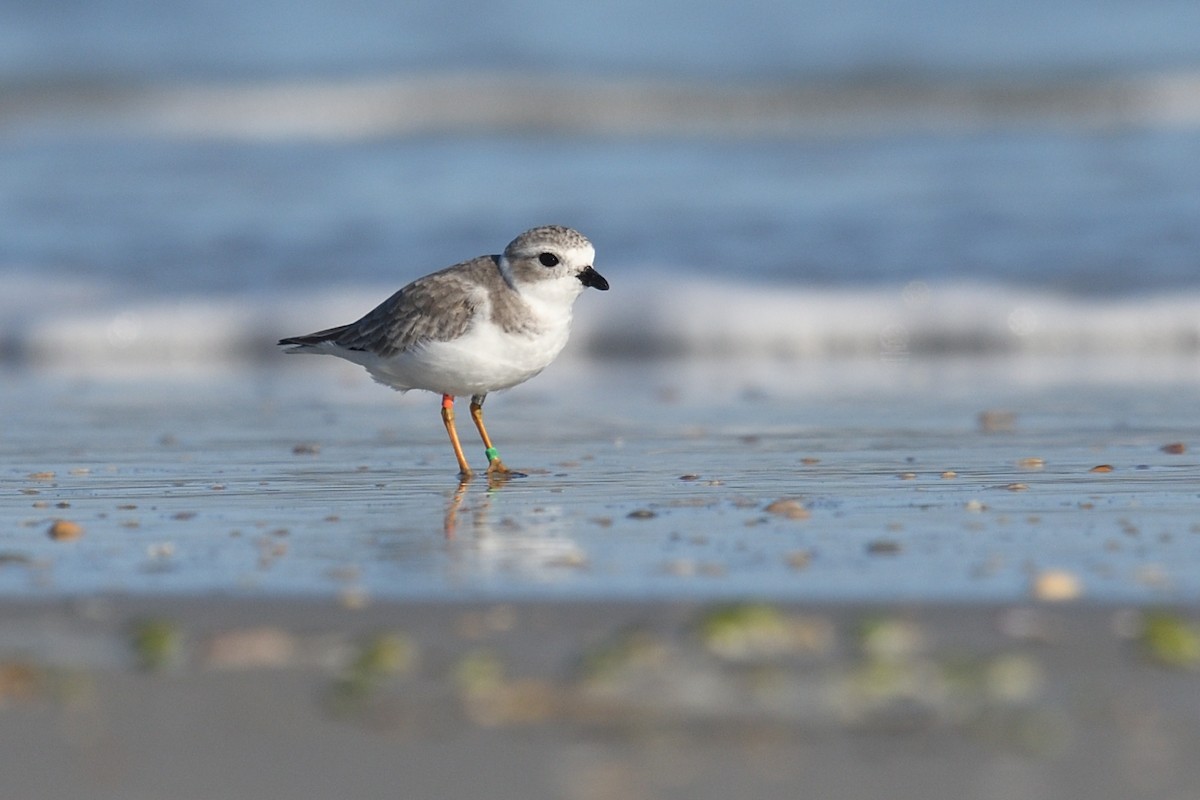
column 551, row 300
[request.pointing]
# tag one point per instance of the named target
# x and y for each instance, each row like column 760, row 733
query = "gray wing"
column 435, row 308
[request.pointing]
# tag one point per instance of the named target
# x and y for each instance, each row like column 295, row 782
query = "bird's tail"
column 310, row 341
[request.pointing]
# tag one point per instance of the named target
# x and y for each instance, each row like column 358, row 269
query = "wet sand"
column 903, row 580
column 914, row 484
column 277, row 698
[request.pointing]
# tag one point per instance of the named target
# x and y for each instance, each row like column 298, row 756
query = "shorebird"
column 477, row 327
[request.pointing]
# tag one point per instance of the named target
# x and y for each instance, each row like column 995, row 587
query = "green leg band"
column 492, row 454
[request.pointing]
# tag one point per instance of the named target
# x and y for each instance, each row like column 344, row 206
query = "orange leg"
column 495, row 465
column 464, row 469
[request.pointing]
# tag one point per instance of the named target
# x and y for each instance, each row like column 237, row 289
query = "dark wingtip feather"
column 313, row 338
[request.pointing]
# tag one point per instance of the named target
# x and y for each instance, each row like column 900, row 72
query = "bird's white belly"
column 485, row 359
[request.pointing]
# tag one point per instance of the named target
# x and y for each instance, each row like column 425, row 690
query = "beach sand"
column 844, row 580
column 286, row 697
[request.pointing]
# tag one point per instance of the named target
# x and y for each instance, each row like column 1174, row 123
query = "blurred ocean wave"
column 86, row 328
column 487, row 104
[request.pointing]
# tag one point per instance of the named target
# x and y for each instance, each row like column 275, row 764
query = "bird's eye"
column 548, row 260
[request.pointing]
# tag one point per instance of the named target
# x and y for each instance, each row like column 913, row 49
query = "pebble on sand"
column 64, row 530
column 789, row 508
column 1171, row 640
column 798, row 559
column 251, row 648
column 1056, row 585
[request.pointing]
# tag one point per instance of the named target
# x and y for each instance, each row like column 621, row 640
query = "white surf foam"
column 47, row 323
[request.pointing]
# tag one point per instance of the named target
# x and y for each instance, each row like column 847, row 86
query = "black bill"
column 589, row 277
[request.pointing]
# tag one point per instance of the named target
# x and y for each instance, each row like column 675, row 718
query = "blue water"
column 1102, row 213
column 141, row 40
column 232, row 152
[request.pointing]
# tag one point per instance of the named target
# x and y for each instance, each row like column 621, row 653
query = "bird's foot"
column 498, row 474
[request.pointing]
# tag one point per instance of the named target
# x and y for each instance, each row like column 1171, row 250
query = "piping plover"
column 476, row 327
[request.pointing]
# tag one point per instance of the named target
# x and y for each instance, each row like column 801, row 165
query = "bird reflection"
column 494, row 483
column 529, row 541
column 450, row 523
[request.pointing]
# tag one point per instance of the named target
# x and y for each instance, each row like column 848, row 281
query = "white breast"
column 485, row 358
